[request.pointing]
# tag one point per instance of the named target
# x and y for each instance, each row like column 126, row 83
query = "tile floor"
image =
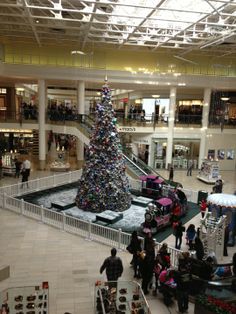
column 37, row 252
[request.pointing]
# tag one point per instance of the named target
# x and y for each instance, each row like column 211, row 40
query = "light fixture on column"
column 224, row 98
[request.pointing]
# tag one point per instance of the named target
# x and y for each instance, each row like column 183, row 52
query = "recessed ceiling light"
column 77, row 52
column 37, row 21
column 155, row 96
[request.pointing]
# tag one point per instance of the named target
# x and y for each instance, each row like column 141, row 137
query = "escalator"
column 135, row 166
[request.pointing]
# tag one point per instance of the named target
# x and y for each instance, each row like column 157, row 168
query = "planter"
column 200, row 309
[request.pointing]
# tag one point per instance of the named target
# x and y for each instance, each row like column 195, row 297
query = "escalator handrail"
column 133, row 163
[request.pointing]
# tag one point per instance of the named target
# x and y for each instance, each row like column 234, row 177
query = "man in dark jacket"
column 178, row 232
column 113, row 266
column 183, row 280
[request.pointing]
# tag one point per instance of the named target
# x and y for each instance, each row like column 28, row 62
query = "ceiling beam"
column 31, row 23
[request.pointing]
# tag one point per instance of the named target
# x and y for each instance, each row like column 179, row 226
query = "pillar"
column 81, row 97
column 171, row 125
column 81, row 110
column 41, row 120
column 205, row 117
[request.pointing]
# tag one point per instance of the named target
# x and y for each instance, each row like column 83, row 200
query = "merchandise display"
column 209, row 171
column 60, row 163
column 59, row 166
column 104, row 184
column 25, row 300
column 8, row 164
column 123, row 297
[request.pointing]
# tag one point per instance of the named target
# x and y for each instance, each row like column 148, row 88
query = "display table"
column 59, row 166
column 8, row 164
column 209, row 171
column 28, row 299
column 9, row 170
column 120, row 297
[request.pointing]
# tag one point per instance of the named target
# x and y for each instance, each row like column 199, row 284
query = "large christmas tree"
column 104, row 184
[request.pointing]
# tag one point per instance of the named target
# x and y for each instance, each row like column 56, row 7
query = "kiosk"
column 209, row 171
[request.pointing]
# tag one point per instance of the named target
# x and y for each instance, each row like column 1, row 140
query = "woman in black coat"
column 135, row 249
column 199, row 248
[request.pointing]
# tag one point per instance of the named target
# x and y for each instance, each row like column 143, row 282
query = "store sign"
column 127, row 129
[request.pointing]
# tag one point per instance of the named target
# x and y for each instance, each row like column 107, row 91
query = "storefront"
column 185, row 150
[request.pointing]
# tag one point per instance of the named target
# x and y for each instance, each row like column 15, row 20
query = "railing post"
column 69, row 176
column 41, row 213
column 17, row 189
column 89, row 237
column 4, row 200
column 54, row 180
column 37, row 185
column 63, row 221
column 119, row 238
column 22, row 206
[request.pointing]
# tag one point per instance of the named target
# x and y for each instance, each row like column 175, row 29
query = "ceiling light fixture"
column 77, row 52
column 224, row 98
column 155, row 96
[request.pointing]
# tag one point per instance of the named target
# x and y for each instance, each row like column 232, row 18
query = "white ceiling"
column 184, row 25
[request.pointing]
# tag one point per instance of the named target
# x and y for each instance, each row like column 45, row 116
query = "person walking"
column 171, row 173
column 26, row 165
column 113, row 266
column 18, row 168
column 203, row 207
column 182, row 277
column 146, row 268
column 198, row 246
column 179, row 229
column 190, row 236
column 190, row 168
column 135, row 248
column 226, row 240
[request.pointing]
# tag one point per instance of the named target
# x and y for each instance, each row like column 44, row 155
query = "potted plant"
column 209, row 305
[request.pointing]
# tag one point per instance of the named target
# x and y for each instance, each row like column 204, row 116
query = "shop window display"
column 230, row 154
column 222, row 111
column 221, row 154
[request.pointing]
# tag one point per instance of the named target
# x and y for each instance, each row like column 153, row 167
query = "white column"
column 41, row 119
column 81, row 110
column 81, row 97
column 171, row 124
column 205, row 117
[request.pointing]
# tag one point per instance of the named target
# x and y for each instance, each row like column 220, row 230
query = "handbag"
column 130, row 249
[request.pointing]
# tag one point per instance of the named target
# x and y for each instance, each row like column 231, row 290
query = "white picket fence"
column 86, row 229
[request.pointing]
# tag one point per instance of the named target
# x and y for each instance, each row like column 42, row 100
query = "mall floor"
column 37, row 252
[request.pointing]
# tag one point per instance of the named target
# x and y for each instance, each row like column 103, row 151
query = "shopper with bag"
column 135, row 248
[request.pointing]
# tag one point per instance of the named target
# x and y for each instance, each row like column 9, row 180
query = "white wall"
column 226, row 140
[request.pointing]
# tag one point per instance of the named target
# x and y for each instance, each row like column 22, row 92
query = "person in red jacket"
column 203, row 207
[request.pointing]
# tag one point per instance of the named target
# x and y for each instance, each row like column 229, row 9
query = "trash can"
column 201, row 195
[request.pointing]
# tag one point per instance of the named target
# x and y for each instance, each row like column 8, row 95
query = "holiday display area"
column 131, row 220
column 104, row 184
column 209, row 172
